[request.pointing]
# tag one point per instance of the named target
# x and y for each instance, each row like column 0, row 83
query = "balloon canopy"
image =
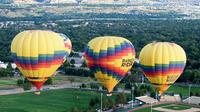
column 110, row 58
column 162, row 63
column 37, row 54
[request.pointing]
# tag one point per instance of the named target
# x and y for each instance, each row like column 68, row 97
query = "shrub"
column 197, row 94
column 74, row 109
column 27, row 86
column 20, row 82
column 94, row 86
column 92, row 102
column 49, row 81
column 83, row 86
column 121, row 98
column 128, row 86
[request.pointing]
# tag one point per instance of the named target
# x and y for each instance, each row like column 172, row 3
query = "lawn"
column 8, row 81
column 49, row 101
column 183, row 90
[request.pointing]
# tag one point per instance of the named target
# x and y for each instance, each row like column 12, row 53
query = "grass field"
column 183, row 90
column 174, row 107
column 59, row 79
column 49, row 101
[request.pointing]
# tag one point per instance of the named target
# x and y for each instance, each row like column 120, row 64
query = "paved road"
column 51, row 87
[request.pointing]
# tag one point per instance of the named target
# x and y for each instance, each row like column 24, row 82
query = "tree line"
column 139, row 32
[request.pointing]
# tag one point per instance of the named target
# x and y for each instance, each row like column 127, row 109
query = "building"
column 192, row 100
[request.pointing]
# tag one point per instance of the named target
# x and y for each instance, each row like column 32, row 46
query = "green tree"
column 75, row 109
column 121, row 98
column 49, row 81
column 72, row 61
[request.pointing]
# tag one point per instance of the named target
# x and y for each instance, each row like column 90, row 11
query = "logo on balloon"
column 127, row 62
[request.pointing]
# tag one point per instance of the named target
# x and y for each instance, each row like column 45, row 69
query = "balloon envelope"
column 37, row 54
column 162, row 63
column 110, row 58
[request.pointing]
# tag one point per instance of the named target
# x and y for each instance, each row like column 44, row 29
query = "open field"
column 49, row 101
column 183, row 90
column 59, row 79
column 170, row 108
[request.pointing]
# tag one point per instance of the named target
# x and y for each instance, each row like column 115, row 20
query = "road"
column 48, row 87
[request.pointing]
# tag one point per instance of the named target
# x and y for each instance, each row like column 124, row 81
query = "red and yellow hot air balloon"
column 68, row 45
column 110, row 58
column 162, row 63
column 38, row 54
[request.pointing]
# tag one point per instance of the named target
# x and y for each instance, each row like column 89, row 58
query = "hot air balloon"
column 110, row 58
column 68, row 44
column 162, row 64
column 37, row 54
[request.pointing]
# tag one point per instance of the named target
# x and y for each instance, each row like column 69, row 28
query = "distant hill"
column 179, row 2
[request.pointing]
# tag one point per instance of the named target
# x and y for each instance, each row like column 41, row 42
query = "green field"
column 183, row 90
column 49, row 101
column 175, row 107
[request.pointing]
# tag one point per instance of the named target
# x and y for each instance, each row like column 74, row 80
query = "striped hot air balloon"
column 110, row 58
column 68, row 44
column 162, row 63
column 38, row 54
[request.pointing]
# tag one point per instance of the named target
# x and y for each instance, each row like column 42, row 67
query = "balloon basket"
column 37, row 93
column 109, row 94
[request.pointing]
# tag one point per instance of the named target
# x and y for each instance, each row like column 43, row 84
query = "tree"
column 92, row 102
column 49, row 81
column 106, row 104
column 94, row 86
column 84, row 64
column 20, row 82
column 83, row 86
column 72, row 61
column 121, row 98
column 75, row 109
column 27, row 86
column 197, row 94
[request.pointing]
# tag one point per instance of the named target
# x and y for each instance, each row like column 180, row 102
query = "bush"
column 78, row 71
column 92, row 102
column 197, row 94
column 128, row 86
column 121, row 98
column 27, row 86
column 49, row 81
column 94, row 86
column 74, row 109
column 20, row 82
column 191, row 94
column 153, row 94
column 6, row 72
column 181, row 95
column 83, row 86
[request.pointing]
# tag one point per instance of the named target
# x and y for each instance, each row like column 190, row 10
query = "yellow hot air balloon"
column 110, row 58
column 38, row 54
column 162, row 63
